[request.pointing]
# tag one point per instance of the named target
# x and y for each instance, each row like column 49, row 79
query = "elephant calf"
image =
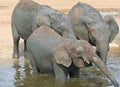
column 51, row 53
column 29, row 15
column 89, row 25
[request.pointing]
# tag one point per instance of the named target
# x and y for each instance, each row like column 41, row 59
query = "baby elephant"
column 29, row 15
column 63, row 57
column 88, row 24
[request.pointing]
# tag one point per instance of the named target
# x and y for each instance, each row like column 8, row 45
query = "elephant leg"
column 75, row 72
column 33, row 62
column 25, row 50
column 16, row 47
column 60, row 71
column 16, row 39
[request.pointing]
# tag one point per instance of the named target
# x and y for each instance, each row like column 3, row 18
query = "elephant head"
column 59, row 22
column 80, row 54
column 62, row 25
column 101, row 33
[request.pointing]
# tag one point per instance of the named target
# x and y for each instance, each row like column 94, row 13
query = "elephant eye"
column 78, row 53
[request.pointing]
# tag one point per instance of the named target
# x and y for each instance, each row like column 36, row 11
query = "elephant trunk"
column 103, row 54
column 98, row 62
column 103, row 51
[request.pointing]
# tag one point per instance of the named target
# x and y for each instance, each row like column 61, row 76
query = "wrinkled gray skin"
column 29, row 15
column 89, row 25
column 51, row 53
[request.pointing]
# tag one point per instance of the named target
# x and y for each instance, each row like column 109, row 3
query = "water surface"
column 19, row 73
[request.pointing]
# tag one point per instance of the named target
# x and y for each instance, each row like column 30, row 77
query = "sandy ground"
column 6, row 8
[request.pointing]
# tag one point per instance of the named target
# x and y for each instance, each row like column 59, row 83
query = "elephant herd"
column 60, row 44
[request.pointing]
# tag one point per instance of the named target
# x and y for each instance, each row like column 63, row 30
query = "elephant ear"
column 87, row 51
column 88, row 23
column 113, row 26
column 62, row 54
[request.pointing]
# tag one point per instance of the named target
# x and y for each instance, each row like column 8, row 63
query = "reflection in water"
column 19, row 73
column 23, row 71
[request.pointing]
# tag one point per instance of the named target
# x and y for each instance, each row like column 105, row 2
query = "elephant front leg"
column 60, row 71
column 16, row 47
column 16, row 39
column 25, row 50
column 74, row 72
column 33, row 62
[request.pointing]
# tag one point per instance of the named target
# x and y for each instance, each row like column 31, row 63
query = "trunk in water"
column 98, row 62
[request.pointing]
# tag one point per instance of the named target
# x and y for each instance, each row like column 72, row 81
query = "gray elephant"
column 29, row 15
column 62, row 57
column 89, row 25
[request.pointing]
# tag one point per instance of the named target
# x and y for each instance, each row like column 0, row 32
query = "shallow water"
column 19, row 73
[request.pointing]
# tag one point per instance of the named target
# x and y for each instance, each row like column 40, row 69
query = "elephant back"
column 47, row 35
column 82, row 9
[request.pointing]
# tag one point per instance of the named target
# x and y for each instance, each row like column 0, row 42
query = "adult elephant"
column 29, row 15
column 89, row 25
column 51, row 53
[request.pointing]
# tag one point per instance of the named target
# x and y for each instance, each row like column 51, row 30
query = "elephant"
column 29, row 15
column 88, row 24
column 51, row 53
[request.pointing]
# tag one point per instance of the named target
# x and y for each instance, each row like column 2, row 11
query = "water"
column 19, row 73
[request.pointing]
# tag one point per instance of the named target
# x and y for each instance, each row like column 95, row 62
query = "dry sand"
column 6, row 8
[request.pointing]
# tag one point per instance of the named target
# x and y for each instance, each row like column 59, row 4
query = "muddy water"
column 19, row 73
